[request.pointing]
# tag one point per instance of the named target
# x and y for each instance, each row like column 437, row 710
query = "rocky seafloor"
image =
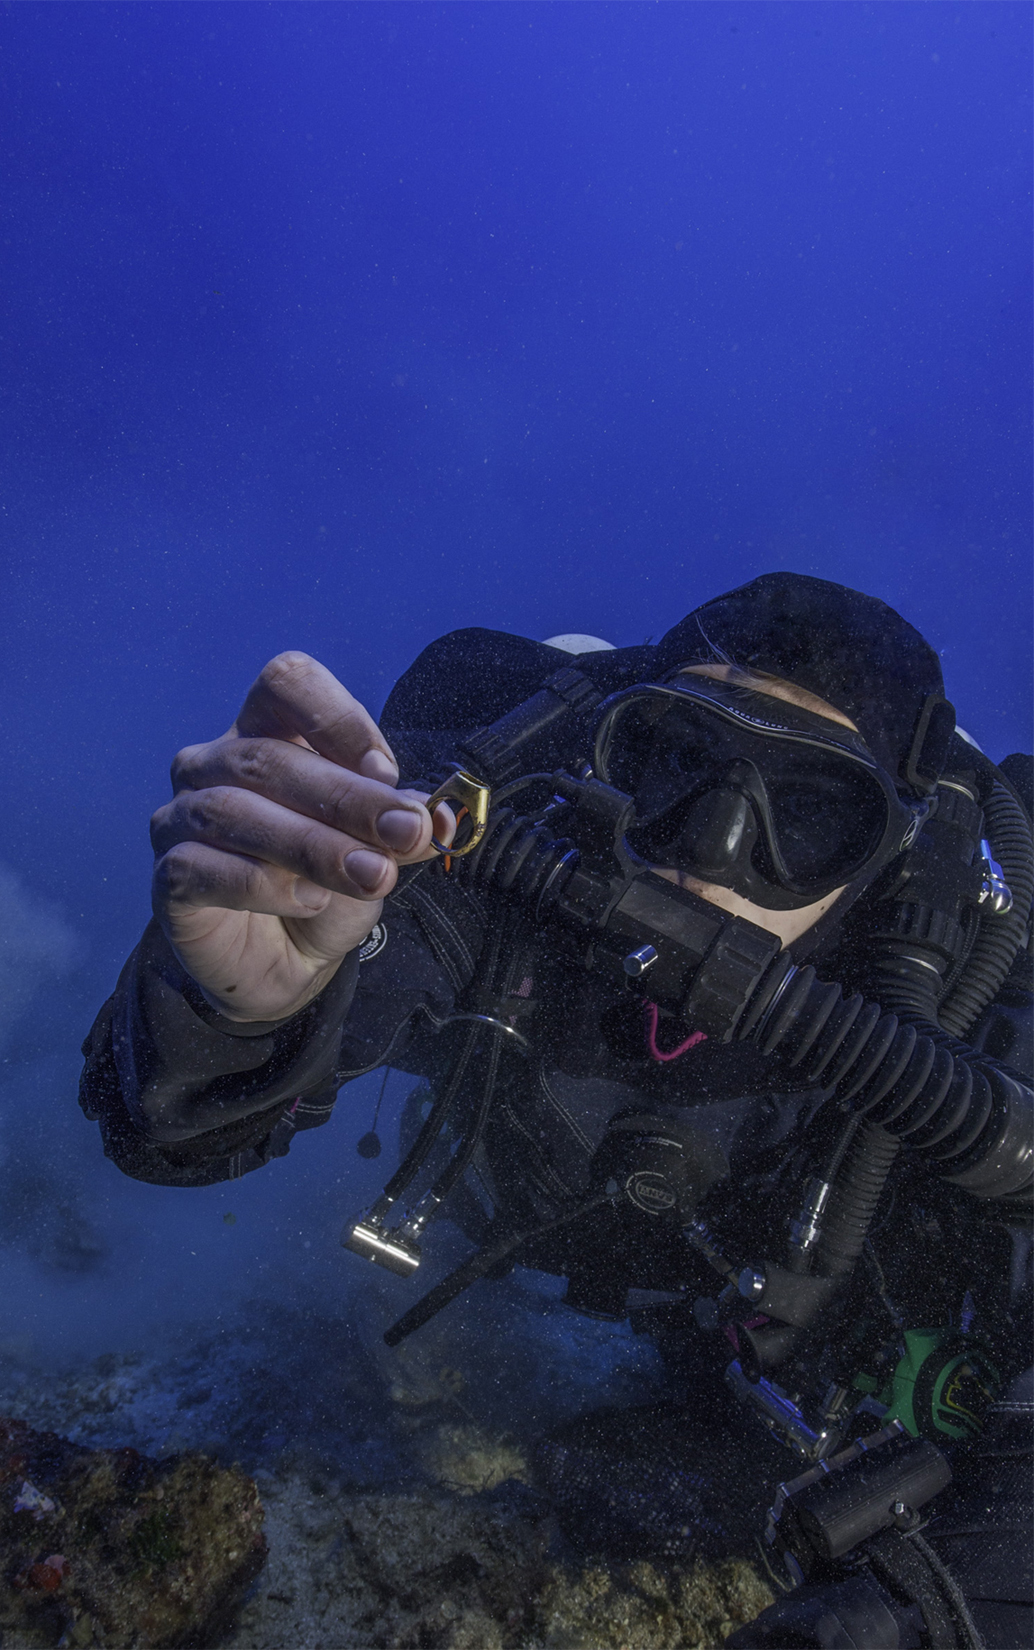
column 402, row 1503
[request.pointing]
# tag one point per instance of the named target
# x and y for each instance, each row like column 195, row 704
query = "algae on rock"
column 113, row 1548
column 641, row 1608
column 468, row 1459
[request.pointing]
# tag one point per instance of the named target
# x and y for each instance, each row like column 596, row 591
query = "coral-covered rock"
column 641, row 1607
column 114, row 1548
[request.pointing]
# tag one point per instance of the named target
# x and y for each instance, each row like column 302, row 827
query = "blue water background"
column 337, row 327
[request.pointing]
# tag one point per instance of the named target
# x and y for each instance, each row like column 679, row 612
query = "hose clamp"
column 757, row 1032
column 994, row 890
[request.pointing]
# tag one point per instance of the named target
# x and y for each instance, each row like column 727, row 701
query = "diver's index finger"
column 294, row 697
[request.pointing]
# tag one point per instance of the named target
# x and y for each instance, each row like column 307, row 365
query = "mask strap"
column 925, row 762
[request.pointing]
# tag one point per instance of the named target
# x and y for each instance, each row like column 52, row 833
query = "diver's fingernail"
column 311, row 895
column 366, row 868
column 378, row 765
column 399, row 829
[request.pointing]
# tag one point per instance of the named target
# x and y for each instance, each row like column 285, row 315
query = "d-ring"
column 471, row 794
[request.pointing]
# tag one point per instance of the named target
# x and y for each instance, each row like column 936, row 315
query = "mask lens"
column 826, row 822
column 821, row 814
column 660, row 752
column 631, row 743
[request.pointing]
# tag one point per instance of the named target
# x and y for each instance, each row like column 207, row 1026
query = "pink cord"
column 656, row 1053
column 731, row 1330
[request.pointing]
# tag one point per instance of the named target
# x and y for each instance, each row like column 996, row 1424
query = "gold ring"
column 471, row 794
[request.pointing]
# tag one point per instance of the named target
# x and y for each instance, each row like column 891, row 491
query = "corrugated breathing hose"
column 998, row 937
column 949, row 1102
column 853, row 1200
column 953, row 1104
column 907, row 980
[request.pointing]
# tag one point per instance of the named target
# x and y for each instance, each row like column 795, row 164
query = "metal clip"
column 993, row 886
column 806, row 1228
column 781, row 1415
column 472, row 795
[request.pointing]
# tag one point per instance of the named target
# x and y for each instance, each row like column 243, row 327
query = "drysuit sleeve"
column 185, row 1097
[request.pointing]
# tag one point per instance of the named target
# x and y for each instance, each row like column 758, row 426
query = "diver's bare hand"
column 281, row 841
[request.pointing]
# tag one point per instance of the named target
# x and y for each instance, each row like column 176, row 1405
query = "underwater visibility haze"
column 339, row 327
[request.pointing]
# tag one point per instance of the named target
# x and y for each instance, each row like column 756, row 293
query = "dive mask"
column 741, row 789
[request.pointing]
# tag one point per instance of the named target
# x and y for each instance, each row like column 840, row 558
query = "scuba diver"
column 713, row 960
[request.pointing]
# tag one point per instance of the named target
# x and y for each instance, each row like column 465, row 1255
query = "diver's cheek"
column 786, row 925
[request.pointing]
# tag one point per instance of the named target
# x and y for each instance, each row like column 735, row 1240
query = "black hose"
column 853, row 1200
column 907, row 1564
column 906, row 980
column 434, row 1123
column 999, row 937
column 461, row 1158
column 856, row 1188
column 898, row 1070
column 476, row 1266
column 445, row 1104
column 515, row 856
column 952, row 1104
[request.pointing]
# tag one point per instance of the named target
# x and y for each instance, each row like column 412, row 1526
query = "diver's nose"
column 713, row 832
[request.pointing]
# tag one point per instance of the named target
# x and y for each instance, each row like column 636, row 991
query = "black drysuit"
column 186, row 1097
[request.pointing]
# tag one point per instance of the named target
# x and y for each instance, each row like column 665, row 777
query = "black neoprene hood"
column 851, row 649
